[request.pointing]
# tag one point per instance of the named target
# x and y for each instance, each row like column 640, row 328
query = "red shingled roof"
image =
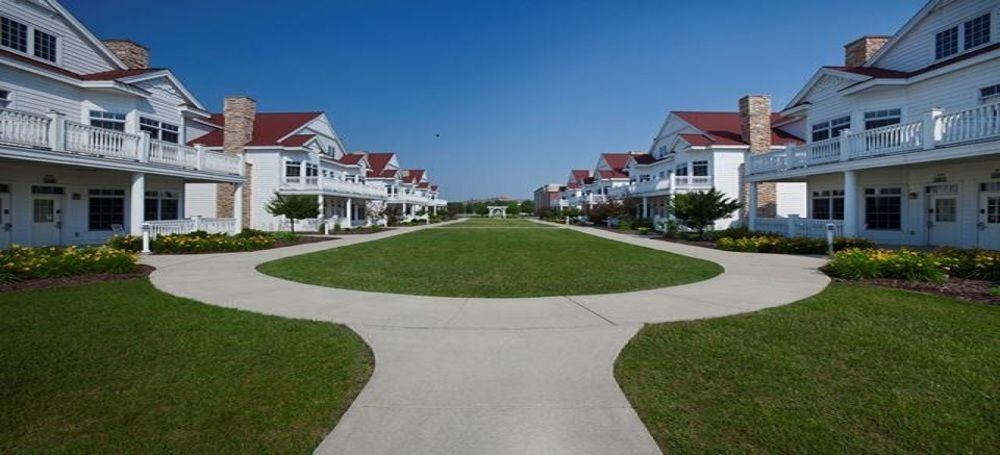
column 297, row 140
column 612, row 174
column 408, row 179
column 588, row 180
column 416, row 174
column 117, row 74
column 268, row 128
column 424, row 185
column 573, row 186
column 351, row 158
column 644, row 158
column 580, row 174
column 616, row 161
column 723, row 128
column 378, row 161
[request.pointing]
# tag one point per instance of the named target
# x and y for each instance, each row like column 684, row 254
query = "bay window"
column 293, row 170
column 699, row 168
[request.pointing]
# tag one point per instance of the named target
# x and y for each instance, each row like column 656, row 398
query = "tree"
column 294, row 207
column 375, row 211
column 527, row 206
column 698, row 210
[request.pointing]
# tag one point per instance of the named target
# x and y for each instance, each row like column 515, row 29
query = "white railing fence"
column 794, row 226
column 189, row 225
column 54, row 132
column 970, row 124
column 24, row 128
column 886, row 140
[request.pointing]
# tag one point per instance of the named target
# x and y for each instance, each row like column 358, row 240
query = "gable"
column 912, row 47
column 826, row 87
column 79, row 50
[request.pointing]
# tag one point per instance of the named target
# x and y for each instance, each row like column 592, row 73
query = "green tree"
column 528, row 206
column 698, row 210
column 294, row 207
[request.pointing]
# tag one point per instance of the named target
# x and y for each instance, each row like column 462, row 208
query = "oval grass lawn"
column 494, row 262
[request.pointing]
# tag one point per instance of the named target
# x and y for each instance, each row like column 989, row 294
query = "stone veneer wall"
column 132, row 54
column 755, row 128
column 239, row 113
column 857, row 52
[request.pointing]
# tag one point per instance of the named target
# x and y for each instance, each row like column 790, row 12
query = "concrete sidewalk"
column 471, row 375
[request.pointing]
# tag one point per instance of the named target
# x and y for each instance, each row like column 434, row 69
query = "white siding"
column 42, row 95
column 21, row 176
column 194, row 130
column 791, row 199
column 266, row 178
column 916, row 49
column 75, row 52
column 725, row 168
column 200, row 199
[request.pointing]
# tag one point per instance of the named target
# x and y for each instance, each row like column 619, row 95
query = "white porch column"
column 349, row 214
column 752, row 206
column 238, row 206
column 137, row 205
column 404, row 210
column 850, row 204
column 435, row 209
column 645, row 207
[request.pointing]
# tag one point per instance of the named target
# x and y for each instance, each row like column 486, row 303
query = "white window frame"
column 864, row 116
column 292, row 164
column 30, row 42
column 827, row 125
column 708, row 168
column 34, row 44
column 123, row 120
column 827, row 196
column 159, row 127
column 983, row 99
column 994, row 24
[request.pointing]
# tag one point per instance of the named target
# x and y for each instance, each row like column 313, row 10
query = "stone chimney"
column 238, row 112
column 132, row 54
column 755, row 130
column 857, row 52
column 755, row 122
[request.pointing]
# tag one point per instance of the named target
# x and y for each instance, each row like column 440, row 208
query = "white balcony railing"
column 55, row 133
column 24, row 128
column 345, row 188
column 187, row 225
column 936, row 130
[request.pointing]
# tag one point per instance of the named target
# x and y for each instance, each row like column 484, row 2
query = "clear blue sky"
column 519, row 91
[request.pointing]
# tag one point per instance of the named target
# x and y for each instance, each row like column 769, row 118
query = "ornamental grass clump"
column 858, row 264
column 973, row 264
column 19, row 263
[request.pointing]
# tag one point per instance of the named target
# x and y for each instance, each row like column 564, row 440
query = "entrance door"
column 5, row 220
column 989, row 219
column 45, row 216
column 943, row 215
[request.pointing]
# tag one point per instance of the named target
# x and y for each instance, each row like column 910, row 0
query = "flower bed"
column 935, row 266
column 19, row 264
column 788, row 245
column 199, row 242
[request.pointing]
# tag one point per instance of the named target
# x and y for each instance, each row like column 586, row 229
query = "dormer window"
column 13, row 34
column 966, row 36
column 977, row 31
column 45, row 46
column 946, row 43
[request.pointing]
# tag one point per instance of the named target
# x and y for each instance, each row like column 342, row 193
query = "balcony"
column 937, row 131
column 660, row 187
column 333, row 187
column 54, row 133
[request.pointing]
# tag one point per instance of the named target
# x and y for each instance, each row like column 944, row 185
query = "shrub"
column 739, row 239
column 643, row 230
column 20, row 263
column 285, row 236
column 199, row 242
column 700, row 209
column 972, row 263
column 846, row 243
column 625, row 224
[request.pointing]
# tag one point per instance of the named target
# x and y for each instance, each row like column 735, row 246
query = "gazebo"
column 497, row 211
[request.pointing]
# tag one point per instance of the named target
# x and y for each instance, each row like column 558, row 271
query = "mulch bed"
column 971, row 290
column 141, row 271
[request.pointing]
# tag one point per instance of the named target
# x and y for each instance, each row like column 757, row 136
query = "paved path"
column 471, row 375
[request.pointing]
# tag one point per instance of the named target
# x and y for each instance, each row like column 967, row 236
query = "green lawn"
column 853, row 369
column 476, row 262
column 121, row 367
column 496, row 222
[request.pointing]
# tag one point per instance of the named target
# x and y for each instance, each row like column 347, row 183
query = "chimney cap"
column 124, row 40
column 240, row 97
column 867, row 37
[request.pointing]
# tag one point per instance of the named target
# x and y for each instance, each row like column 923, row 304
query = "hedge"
column 20, row 263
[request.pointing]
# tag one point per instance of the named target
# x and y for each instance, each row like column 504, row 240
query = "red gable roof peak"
column 268, row 129
column 723, row 128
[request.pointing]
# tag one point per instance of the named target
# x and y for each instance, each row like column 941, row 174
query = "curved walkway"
column 471, row 375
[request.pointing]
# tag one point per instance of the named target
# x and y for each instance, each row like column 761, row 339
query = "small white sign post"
column 830, row 230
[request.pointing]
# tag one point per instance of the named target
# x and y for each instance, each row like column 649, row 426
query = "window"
column 662, row 151
column 159, row 130
column 699, row 168
column 828, row 205
column 44, row 210
column 681, row 170
column 883, row 209
column 989, row 95
column 977, row 31
column 45, row 46
column 105, row 208
column 5, row 98
column 161, row 205
column 293, row 170
column 13, row 34
column 945, row 210
column 832, row 128
column 882, row 118
column 946, row 43
column 107, row 120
